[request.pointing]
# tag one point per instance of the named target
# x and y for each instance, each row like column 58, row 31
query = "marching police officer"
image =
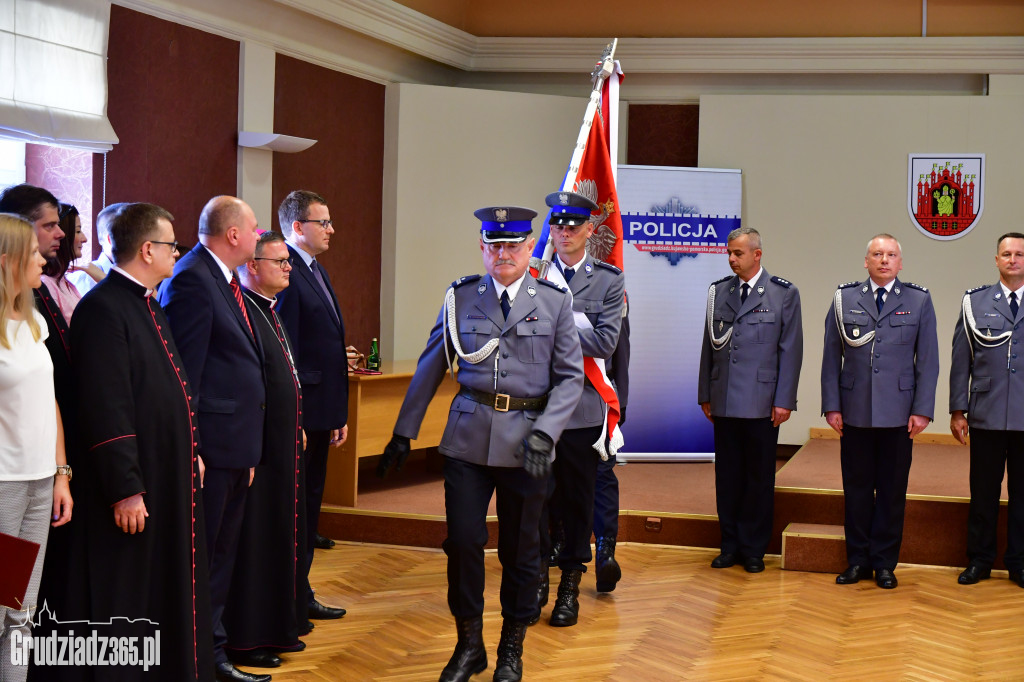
column 879, row 368
column 521, row 377
column 597, row 292
column 986, row 382
column 749, row 370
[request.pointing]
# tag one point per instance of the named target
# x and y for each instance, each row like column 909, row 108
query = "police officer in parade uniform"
column 986, row 392
column 521, row 377
column 879, row 368
column 749, row 370
column 597, row 292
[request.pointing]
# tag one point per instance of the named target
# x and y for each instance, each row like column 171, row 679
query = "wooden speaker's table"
column 373, row 404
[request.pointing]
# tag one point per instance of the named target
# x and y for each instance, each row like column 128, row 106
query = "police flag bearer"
column 749, row 369
column 879, row 368
column 521, row 376
column 986, row 390
column 597, row 292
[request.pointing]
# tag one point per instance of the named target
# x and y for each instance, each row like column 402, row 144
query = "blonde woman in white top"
column 33, row 472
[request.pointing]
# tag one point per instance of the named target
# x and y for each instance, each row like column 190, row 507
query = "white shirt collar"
column 575, row 266
column 306, row 258
column 225, row 270
column 753, row 280
column 149, row 292
column 875, row 287
column 1007, row 291
column 513, row 289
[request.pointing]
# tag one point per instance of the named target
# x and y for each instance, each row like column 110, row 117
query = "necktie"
column 506, row 305
column 237, row 291
column 568, row 272
column 744, row 290
column 318, row 276
column 880, row 298
column 1013, row 304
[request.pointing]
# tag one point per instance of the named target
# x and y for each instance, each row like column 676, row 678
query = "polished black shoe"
column 255, row 658
column 318, row 611
column 724, row 560
column 567, row 605
column 321, row 542
column 753, row 564
column 973, row 573
column 469, row 657
column 543, row 592
column 1017, row 576
column 509, row 667
column 886, row 579
column 306, row 629
column 229, row 673
column 606, row 567
column 853, row 574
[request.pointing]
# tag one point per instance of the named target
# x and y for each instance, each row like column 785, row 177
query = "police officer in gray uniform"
column 879, row 368
column 749, row 370
column 597, row 290
column 986, row 390
column 521, row 377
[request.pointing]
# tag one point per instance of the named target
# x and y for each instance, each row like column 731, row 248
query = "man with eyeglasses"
column 144, row 558
column 261, row 616
column 223, row 356
column 521, row 376
column 310, row 312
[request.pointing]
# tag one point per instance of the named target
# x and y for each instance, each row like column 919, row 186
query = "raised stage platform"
column 674, row 504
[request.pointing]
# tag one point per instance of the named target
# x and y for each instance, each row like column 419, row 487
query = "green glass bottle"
column 373, row 361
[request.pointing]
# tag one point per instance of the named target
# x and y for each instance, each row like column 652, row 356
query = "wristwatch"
column 64, row 469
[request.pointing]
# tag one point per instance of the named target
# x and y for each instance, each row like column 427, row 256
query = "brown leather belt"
column 502, row 402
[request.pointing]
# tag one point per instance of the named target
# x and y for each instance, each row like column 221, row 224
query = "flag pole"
column 604, row 69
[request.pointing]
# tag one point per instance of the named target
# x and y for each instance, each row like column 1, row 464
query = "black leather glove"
column 395, row 453
column 536, row 453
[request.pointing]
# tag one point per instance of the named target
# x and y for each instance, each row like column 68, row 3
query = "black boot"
column 510, row 652
column 557, row 543
column 543, row 592
column 567, row 605
column 469, row 657
column 607, row 568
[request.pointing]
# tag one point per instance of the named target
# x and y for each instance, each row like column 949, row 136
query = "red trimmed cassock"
column 138, row 426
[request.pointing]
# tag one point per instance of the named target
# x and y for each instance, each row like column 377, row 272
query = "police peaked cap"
column 569, row 208
column 505, row 223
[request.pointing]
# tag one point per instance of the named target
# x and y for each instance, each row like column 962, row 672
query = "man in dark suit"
column 310, row 313
column 749, row 369
column 879, row 367
column 224, row 362
column 986, row 391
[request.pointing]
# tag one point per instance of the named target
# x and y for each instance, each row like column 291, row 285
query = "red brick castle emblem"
column 945, row 193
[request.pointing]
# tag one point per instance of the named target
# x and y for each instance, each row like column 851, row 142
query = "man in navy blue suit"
column 311, row 315
column 223, row 359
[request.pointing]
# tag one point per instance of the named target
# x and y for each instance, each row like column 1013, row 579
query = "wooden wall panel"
column 663, row 134
column 346, row 166
column 173, row 102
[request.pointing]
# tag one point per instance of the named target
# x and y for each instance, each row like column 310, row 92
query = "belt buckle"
column 501, row 402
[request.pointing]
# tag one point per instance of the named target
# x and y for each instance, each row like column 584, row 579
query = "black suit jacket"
column 222, row 358
column 318, row 338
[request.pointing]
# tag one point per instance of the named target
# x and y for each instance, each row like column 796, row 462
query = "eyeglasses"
column 283, row 263
column 173, row 245
column 325, row 223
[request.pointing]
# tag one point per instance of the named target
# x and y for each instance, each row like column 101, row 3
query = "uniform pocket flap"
column 759, row 318
column 856, row 318
column 582, row 305
column 310, row 377
column 903, row 320
column 463, row 404
column 534, row 328
column 476, row 327
column 767, row 375
column 981, row 384
column 990, row 321
column 724, row 316
column 906, row 382
column 846, row 380
column 217, row 405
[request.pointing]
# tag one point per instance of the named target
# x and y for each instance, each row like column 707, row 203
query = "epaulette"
column 724, row 279
column 553, row 285
column 782, row 282
column 847, row 285
column 464, row 280
column 983, row 286
column 608, row 266
column 916, row 286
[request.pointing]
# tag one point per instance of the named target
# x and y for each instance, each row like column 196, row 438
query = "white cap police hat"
column 569, row 208
column 505, row 223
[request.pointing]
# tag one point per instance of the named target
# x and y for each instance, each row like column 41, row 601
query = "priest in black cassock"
column 146, row 557
column 261, row 616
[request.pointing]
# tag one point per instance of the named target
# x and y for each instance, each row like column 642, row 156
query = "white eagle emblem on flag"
column 601, row 243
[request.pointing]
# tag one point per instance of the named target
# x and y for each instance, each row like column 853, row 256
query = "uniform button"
column 876, row 370
column 734, row 361
column 505, row 354
column 504, row 373
column 1013, row 371
column 737, row 334
column 1014, row 356
column 877, row 355
column 263, row 406
column 474, row 328
column 534, row 331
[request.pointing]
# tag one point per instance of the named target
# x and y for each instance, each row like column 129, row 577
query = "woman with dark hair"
column 63, row 291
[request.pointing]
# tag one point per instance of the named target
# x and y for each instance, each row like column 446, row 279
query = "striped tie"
column 237, row 291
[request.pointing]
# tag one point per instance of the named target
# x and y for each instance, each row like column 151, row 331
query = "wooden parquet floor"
column 672, row 617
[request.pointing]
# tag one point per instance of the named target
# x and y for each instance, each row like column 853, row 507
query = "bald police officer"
column 597, row 292
column 521, row 377
column 986, row 391
column 749, row 370
column 879, row 368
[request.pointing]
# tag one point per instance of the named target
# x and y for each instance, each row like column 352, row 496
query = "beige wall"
column 822, row 174
column 449, row 152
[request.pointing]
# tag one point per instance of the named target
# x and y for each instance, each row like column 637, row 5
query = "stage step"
column 814, row 547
